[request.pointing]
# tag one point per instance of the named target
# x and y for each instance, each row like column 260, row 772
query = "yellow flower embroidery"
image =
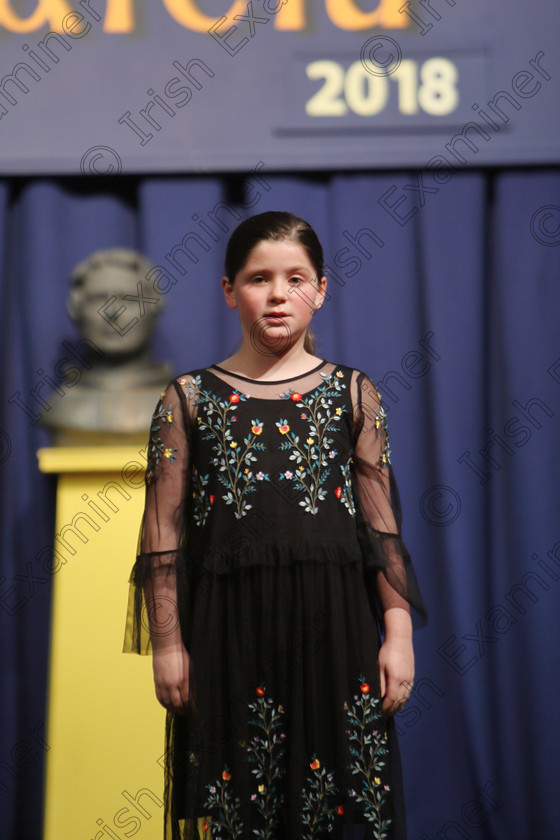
column 284, row 429
column 376, row 780
column 338, row 410
column 309, row 441
column 233, row 445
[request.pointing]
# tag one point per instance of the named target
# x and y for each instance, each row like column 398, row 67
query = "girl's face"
column 276, row 293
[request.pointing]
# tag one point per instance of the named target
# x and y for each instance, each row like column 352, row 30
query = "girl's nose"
column 278, row 290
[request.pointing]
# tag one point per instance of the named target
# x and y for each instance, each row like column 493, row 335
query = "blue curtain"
column 449, row 298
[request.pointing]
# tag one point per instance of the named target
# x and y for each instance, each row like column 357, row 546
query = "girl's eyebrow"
column 297, row 268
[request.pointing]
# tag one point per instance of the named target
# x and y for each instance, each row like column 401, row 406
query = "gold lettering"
column 345, row 15
column 119, row 16
column 51, row 12
column 291, row 16
column 189, row 15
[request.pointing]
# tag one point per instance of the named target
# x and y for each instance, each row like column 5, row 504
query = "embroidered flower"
column 234, row 398
column 168, row 453
column 260, row 476
column 309, row 441
column 339, row 374
column 226, row 775
column 376, row 780
column 283, row 427
column 261, row 691
column 233, row 445
column 340, row 810
column 338, row 492
column 338, row 410
column 333, row 454
column 364, row 688
column 212, row 498
column 295, row 396
column 288, row 474
column 257, row 427
column 261, row 788
column 315, row 764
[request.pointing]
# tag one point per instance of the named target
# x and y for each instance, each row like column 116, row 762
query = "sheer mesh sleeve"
column 378, row 506
column 153, row 615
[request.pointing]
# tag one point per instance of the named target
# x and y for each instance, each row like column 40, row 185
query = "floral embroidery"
column 382, row 428
column 368, row 744
column 156, row 447
column 312, row 455
column 266, row 751
column 319, row 802
column 346, row 496
column 221, row 801
column 320, row 796
column 202, row 501
column 232, row 459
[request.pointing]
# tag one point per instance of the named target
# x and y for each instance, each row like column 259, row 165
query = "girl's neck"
column 255, row 365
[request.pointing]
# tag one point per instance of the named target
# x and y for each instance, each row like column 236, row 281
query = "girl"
column 270, row 568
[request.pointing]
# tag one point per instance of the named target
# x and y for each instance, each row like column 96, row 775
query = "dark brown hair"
column 276, row 226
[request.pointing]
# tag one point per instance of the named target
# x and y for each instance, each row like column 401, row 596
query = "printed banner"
column 104, row 87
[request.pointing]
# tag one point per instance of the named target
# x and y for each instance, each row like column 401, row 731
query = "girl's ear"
column 227, row 288
column 321, row 292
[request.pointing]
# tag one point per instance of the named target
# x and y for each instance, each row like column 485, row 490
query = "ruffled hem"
column 375, row 552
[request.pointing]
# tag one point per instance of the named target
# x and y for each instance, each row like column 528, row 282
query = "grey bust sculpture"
column 115, row 309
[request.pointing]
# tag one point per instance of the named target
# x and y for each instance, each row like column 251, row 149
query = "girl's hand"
column 171, row 678
column 396, row 661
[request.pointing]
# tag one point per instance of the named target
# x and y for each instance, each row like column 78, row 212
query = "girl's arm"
column 385, row 554
column 160, row 548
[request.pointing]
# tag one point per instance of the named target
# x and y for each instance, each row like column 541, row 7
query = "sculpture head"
column 112, row 302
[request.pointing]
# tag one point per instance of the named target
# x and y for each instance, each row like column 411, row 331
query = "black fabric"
column 252, row 500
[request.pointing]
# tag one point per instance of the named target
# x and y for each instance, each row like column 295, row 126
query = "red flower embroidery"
column 338, row 492
column 340, row 810
column 260, row 691
column 295, row 396
column 234, row 398
column 226, row 775
column 364, row 688
column 315, row 764
column 205, row 826
column 211, row 497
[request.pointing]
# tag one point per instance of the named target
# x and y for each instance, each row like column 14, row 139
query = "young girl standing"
column 271, row 567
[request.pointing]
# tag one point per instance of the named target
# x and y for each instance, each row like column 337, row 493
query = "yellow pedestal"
column 105, row 727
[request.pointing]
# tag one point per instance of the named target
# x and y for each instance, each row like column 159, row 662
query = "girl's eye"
column 296, row 280
column 258, row 279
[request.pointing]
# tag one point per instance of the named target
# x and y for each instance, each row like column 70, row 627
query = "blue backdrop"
column 449, row 300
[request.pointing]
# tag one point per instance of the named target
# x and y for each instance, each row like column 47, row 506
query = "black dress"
column 273, row 507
